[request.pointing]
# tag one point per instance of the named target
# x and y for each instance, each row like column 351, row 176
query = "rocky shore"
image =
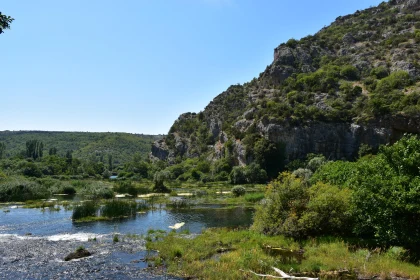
column 30, row 257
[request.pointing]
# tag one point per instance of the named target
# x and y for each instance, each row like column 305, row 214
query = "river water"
column 34, row 242
column 21, row 221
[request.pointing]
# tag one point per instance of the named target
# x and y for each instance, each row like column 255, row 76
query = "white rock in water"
column 177, row 226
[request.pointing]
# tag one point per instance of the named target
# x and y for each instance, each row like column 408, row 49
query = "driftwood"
column 283, row 275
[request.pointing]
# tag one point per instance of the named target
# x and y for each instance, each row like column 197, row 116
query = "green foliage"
column 349, row 72
column 2, row 150
column 295, row 209
column 238, row 191
column 20, row 189
column 85, row 145
column 316, row 162
column 34, row 149
column 254, row 197
column 5, row 22
column 124, row 187
column 237, row 176
column 379, row 72
column 292, row 43
column 286, row 198
column 364, row 149
column 85, row 209
column 159, row 179
column 251, row 173
column 97, row 190
column 118, row 208
column 385, row 192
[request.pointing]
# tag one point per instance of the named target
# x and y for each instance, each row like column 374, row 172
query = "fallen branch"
column 262, row 275
column 282, row 273
column 286, row 276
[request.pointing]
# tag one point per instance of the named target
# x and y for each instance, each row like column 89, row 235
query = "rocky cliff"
column 354, row 82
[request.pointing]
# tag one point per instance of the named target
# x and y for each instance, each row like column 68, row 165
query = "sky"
column 136, row 65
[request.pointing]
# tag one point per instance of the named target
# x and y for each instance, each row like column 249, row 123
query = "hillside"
column 354, row 82
column 85, row 145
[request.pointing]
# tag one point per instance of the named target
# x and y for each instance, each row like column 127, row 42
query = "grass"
column 221, row 254
column 118, row 208
column 39, row 204
column 85, row 210
column 178, row 204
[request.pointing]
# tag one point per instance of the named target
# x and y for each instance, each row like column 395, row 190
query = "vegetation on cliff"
column 361, row 71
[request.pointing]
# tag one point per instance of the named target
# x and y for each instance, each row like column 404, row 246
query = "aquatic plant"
column 118, row 208
column 181, row 203
column 86, row 209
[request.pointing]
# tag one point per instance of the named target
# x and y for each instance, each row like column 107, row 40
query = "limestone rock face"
column 288, row 60
column 337, row 140
column 160, row 150
column 411, row 4
column 315, row 119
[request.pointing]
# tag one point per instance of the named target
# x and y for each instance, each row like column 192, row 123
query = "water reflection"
column 44, row 223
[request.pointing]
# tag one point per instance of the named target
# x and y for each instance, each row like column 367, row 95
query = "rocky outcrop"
column 317, row 112
column 337, row 140
column 289, row 60
column 160, row 150
column 412, row 5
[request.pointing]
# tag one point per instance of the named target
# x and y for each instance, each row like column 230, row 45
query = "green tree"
column 52, row 151
column 2, row 150
column 110, row 162
column 5, row 22
column 34, row 149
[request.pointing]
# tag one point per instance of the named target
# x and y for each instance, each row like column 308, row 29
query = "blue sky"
column 136, row 65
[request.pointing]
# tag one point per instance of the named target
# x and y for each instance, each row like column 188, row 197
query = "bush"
column 294, row 209
column 126, row 187
column 238, row 191
column 86, row 209
column 237, row 176
column 349, row 72
column 95, row 190
column 22, row 190
column 119, row 208
column 379, row 72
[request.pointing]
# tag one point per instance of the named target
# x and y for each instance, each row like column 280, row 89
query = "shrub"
column 292, row 43
column 238, row 191
column 97, row 190
column 316, row 162
column 118, row 208
column 237, row 176
column 126, row 187
column 86, row 209
column 294, row 209
column 349, row 72
column 379, row 72
column 20, row 189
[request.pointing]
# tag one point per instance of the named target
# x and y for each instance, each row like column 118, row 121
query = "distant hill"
column 85, row 145
column 355, row 82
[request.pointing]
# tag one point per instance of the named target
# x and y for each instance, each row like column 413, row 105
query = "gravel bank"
column 43, row 258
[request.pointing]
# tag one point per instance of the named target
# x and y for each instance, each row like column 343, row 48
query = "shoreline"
column 33, row 257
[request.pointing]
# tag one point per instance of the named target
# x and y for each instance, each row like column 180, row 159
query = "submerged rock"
column 80, row 253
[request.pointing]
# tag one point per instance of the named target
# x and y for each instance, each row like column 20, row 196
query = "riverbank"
column 30, row 257
column 232, row 254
